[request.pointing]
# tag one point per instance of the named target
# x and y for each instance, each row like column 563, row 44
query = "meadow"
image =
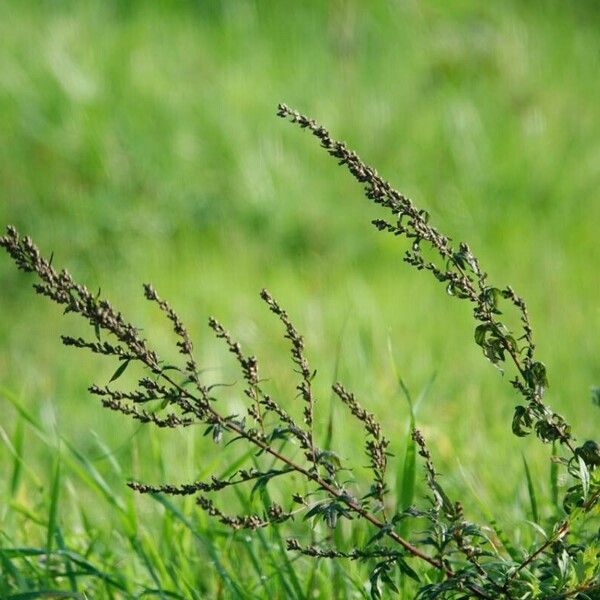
column 139, row 143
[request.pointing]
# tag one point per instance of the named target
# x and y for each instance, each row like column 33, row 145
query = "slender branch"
column 462, row 273
column 560, row 532
column 580, row 589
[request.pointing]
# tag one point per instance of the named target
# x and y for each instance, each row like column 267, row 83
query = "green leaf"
column 381, row 574
column 407, row 569
column 573, row 498
column 329, row 457
column 379, row 534
column 491, row 295
column 547, row 431
column 590, row 453
column 481, row 332
column 522, row 421
column 331, row 516
column 445, row 502
column 584, row 476
column 493, row 349
column 314, row 511
column 261, row 483
column 536, row 376
column 119, row 371
column 279, row 433
column 217, row 433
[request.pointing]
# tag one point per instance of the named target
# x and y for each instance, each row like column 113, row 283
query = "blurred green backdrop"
column 138, row 142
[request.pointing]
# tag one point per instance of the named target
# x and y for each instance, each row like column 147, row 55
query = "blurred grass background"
column 139, row 143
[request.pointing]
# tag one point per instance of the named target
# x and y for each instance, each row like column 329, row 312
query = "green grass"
column 139, row 143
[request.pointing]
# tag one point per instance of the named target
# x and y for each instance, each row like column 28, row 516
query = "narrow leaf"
column 584, row 475
column 119, row 371
column 554, row 475
column 18, row 457
column 52, row 515
column 407, row 570
column 531, row 490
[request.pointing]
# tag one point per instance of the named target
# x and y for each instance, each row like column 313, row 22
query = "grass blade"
column 45, row 594
column 531, row 490
column 60, row 542
column 18, row 457
column 554, row 476
column 52, row 513
column 336, row 370
column 18, row 463
column 406, row 479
